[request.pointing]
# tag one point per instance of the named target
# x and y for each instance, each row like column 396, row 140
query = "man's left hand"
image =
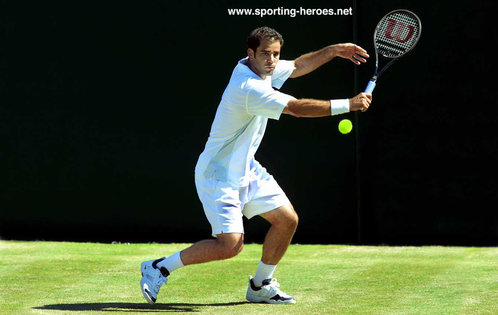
column 352, row 52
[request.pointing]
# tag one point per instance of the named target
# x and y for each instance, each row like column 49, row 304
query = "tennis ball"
column 345, row 126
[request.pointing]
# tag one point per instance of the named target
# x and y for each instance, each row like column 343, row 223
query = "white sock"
column 264, row 272
column 172, row 262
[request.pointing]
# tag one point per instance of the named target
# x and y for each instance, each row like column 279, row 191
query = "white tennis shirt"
column 240, row 122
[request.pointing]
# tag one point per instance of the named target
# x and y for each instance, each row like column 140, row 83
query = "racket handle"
column 370, row 86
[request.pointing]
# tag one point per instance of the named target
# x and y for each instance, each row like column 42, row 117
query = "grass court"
column 89, row 278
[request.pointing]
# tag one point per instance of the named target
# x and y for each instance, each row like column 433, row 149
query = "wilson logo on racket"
column 399, row 27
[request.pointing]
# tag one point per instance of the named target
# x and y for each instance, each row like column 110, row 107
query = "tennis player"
column 231, row 183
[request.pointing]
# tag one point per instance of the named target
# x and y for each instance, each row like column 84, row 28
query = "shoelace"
column 274, row 283
column 273, row 286
column 159, row 283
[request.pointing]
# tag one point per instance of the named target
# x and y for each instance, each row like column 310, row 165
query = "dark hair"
column 262, row 33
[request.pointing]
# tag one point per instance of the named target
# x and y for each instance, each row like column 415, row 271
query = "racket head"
column 397, row 33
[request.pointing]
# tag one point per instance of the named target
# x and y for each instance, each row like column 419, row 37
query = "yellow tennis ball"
column 345, row 126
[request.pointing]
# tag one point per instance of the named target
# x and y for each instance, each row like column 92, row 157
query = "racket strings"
column 397, row 33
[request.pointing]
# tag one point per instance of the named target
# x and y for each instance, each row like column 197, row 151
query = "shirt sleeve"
column 282, row 72
column 266, row 102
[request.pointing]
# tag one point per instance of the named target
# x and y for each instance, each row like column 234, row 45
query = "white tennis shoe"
column 269, row 292
column 152, row 280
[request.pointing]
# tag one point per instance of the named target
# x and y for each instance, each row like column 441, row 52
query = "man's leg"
column 225, row 246
column 283, row 222
column 262, row 288
column 155, row 272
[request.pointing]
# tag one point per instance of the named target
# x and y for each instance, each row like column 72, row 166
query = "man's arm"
column 320, row 108
column 311, row 61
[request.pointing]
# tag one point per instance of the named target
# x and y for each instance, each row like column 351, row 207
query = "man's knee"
column 230, row 245
column 288, row 217
column 292, row 219
column 284, row 217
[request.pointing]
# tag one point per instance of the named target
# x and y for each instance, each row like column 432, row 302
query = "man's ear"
column 250, row 53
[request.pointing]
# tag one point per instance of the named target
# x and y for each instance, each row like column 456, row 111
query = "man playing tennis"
column 231, row 183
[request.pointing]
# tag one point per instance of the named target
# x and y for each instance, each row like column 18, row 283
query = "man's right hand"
column 360, row 102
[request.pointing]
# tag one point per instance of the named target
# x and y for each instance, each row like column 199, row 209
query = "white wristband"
column 339, row 106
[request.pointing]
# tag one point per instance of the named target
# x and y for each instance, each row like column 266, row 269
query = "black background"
column 105, row 107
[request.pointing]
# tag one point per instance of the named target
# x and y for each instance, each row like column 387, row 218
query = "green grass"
column 87, row 278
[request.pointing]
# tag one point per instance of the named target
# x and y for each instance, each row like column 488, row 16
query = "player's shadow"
column 133, row 307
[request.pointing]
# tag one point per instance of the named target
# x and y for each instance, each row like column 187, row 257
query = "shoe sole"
column 257, row 299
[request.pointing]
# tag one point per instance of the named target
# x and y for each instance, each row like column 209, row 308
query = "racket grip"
column 370, row 86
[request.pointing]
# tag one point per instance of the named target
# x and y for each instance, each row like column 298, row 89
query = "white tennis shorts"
column 224, row 205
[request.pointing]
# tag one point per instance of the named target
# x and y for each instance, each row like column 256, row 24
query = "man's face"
column 264, row 60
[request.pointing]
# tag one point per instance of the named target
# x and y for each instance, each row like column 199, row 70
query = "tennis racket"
column 396, row 34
